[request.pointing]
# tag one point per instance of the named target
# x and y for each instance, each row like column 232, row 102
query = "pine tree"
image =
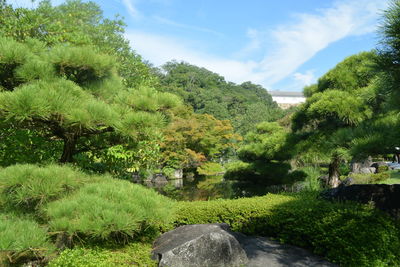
column 69, row 93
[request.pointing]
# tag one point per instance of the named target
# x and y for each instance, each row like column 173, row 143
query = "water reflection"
column 198, row 188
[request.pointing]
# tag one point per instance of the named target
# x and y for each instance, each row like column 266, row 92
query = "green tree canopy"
column 342, row 100
column 80, row 24
column 245, row 105
column 71, row 93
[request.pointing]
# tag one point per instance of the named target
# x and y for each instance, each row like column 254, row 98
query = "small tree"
column 71, row 93
column 343, row 99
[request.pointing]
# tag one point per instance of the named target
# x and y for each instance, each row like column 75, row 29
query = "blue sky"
column 280, row 44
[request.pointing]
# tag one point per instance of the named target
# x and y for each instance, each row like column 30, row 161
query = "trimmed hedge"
column 136, row 254
column 345, row 233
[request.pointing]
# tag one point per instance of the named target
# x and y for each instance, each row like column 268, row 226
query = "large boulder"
column 384, row 197
column 355, row 167
column 367, row 170
column 199, row 245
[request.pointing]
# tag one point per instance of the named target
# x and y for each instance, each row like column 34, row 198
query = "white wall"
column 288, row 99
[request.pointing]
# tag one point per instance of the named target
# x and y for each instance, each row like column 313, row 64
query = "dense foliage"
column 45, row 207
column 340, row 232
column 22, row 239
column 72, row 90
column 263, row 156
column 109, row 209
column 41, row 87
column 344, row 98
column 244, row 105
column 30, row 187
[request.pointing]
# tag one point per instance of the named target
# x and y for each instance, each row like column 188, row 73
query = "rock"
column 263, row 252
column 356, row 167
column 366, row 170
column 194, row 245
column 136, row 178
column 394, row 166
column 199, row 245
column 384, row 197
column 159, row 180
column 178, row 174
column 378, row 164
column 348, row 181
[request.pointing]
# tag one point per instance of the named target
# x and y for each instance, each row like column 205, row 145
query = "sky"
column 283, row 45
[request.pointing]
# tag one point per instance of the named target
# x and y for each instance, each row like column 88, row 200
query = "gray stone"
column 366, row 170
column 178, row 174
column 379, row 164
column 159, row 180
column 199, row 245
column 348, row 181
column 356, row 167
column 214, row 245
column 263, row 252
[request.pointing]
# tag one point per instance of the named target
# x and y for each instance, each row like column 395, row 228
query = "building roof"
column 282, row 93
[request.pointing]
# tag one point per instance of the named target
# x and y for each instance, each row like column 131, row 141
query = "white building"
column 287, row 99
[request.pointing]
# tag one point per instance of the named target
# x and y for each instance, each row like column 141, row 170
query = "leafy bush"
column 29, row 187
column 137, row 254
column 210, row 168
column 312, row 177
column 21, row 239
column 383, row 168
column 108, row 209
column 339, row 231
column 369, row 178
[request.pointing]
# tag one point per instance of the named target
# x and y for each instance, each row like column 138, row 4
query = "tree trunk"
column 69, row 148
column 333, row 180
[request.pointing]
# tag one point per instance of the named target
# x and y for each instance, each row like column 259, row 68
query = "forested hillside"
column 244, row 105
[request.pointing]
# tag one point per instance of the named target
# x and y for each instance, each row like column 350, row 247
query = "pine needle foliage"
column 73, row 92
column 22, row 238
column 108, row 209
column 29, row 187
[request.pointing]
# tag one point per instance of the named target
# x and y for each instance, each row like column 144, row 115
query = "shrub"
column 342, row 232
column 29, row 187
column 21, row 239
column 383, row 168
column 137, row 254
column 312, row 181
column 370, row 178
column 210, row 168
column 109, row 209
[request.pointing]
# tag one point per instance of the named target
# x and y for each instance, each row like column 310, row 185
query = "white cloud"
column 185, row 26
column 253, row 45
column 160, row 49
column 296, row 43
column 304, row 79
column 133, row 11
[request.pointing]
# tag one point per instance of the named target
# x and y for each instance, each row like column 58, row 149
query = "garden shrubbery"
column 108, row 208
column 136, row 254
column 22, row 239
column 346, row 233
column 29, row 187
column 39, row 203
column 369, row 178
